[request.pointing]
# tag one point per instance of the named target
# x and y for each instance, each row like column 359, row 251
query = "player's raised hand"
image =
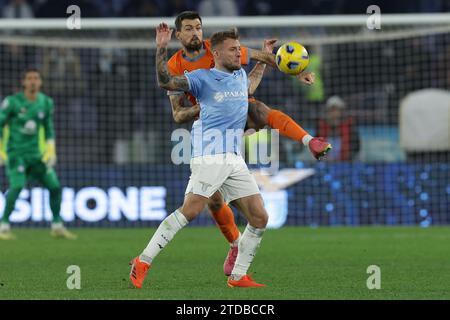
column 163, row 34
column 306, row 77
column 268, row 45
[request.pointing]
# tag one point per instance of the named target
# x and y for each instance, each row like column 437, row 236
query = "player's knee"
column 260, row 216
column 261, row 220
column 189, row 213
column 215, row 203
column 258, row 113
column 192, row 206
column 263, row 111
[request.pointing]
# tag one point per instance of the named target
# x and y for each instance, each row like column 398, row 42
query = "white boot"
column 59, row 231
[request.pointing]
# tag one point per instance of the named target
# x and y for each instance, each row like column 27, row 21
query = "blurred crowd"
column 157, row 8
column 107, row 96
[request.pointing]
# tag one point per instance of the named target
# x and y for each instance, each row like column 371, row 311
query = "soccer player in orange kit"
column 197, row 54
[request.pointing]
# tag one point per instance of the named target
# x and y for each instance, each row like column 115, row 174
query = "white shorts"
column 226, row 173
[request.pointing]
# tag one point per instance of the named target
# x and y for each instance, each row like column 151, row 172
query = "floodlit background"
column 381, row 97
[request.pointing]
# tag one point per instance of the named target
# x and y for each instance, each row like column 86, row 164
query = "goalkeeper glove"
column 49, row 157
column 3, row 155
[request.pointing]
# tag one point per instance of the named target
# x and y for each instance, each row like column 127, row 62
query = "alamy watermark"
column 74, row 21
column 74, row 280
column 374, row 20
column 374, row 280
column 261, row 149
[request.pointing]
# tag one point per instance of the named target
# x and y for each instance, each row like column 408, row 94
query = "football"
column 292, row 58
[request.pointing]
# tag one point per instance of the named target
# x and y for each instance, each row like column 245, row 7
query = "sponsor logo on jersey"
column 5, row 103
column 219, row 96
column 230, row 95
column 30, row 127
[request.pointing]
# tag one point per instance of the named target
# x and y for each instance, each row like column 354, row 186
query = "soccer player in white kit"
column 216, row 163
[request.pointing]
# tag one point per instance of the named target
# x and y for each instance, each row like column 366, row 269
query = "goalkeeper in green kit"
column 24, row 114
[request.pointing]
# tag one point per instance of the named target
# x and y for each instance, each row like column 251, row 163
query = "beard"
column 231, row 67
column 194, row 45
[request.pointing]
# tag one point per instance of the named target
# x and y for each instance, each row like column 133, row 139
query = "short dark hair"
column 219, row 37
column 28, row 70
column 186, row 15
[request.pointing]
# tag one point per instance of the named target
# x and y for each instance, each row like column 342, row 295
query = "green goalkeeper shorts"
column 20, row 169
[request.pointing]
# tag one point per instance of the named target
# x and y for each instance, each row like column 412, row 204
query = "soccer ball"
column 292, row 58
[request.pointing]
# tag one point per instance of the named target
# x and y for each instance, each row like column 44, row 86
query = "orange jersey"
column 178, row 64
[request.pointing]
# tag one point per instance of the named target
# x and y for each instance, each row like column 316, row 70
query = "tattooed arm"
column 180, row 112
column 165, row 80
column 263, row 56
column 255, row 76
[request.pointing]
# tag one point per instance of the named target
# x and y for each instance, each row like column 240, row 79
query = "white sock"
column 57, row 225
column 306, row 139
column 165, row 232
column 248, row 244
column 5, row 227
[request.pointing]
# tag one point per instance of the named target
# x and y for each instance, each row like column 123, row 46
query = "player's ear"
column 177, row 34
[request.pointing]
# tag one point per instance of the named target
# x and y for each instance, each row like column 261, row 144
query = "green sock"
column 11, row 198
column 55, row 204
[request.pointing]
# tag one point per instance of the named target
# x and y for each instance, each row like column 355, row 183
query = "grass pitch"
column 295, row 263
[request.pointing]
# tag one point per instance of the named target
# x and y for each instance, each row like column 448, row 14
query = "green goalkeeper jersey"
column 24, row 119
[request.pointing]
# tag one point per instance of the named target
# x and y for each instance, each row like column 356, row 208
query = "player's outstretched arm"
column 165, row 80
column 263, row 56
column 180, row 112
column 255, row 76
